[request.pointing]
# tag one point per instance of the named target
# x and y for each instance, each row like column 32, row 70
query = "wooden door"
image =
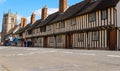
column 113, row 39
column 69, row 41
column 45, row 42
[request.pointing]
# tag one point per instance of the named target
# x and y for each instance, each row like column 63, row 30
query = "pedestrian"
column 11, row 40
column 15, row 40
column 25, row 42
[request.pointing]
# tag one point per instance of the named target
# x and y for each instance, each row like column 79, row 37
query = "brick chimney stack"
column 23, row 22
column 62, row 5
column 32, row 18
column 44, row 13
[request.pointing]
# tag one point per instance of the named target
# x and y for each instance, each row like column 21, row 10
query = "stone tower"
column 9, row 21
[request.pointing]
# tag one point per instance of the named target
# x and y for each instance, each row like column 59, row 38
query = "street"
column 50, row 59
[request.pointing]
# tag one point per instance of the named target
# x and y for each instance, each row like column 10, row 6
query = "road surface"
column 50, row 59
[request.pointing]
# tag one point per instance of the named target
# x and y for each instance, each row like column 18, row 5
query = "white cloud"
column 19, row 18
column 50, row 11
column 38, row 14
column 1, row 1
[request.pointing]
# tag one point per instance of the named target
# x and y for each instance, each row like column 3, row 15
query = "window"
column 59, row 39
column 95, row 36
column 51, row 39
column 33, row 31
column 92, row 17
column 73, row 21
column 30, row 32
column 12, row 19
column 35, row 40
column 37, row 30
column 48, row 28
column 104, row 14
column 80, row 37
column 40, row 40
column 43, row 29
column 62, row 24
column 58, row 26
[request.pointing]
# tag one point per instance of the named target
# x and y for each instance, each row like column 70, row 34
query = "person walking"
column 25, row 42
column 15, row 40
column 10, row 40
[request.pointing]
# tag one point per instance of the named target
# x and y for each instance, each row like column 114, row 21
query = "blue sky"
column 24, row 8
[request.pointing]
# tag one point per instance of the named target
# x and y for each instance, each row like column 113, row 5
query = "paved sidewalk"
column 50, row 59
column 3, row 68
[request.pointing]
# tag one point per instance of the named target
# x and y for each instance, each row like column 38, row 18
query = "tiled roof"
column 85, row 7
column 49, row 19
column 22, row 29
column 73, row 11
column 19, row 30
column 34, row 25
column 98, row 5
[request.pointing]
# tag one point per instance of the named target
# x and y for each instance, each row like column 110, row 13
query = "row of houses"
column 89, row 24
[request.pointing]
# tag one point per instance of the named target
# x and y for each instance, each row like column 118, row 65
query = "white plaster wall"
column 118, row 39
column 118, row 14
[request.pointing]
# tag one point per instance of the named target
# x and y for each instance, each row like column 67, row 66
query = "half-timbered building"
column 90, row 24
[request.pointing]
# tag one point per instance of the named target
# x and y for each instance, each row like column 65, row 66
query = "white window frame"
column 81, row 37
column 104, row 14
column 73, row 21
column 92, row 17
column 95, row 36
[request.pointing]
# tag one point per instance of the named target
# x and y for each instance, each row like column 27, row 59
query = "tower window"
column 12, row 19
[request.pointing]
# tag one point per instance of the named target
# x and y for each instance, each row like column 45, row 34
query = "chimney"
column 23, row 22
column 44, row 13
column 32, row 18
column 62, row 5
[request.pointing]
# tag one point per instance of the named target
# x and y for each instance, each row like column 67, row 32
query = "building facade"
column 9, row 22
column 90, row 24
